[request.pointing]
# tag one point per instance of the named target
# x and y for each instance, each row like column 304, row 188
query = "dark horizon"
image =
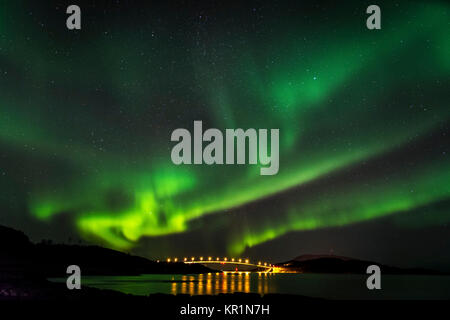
column 253, row 259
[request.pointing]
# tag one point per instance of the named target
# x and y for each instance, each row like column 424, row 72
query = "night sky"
column 86, row 118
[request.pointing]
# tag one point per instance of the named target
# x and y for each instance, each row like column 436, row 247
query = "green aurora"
column 89, row 115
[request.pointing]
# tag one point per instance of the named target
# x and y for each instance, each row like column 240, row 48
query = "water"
column 330, row 286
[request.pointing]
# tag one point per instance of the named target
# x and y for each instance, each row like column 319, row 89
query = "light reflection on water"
column 215, row 283
column 329, row 286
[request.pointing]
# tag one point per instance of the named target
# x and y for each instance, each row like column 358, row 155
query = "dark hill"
column 338, row 264
column 11, row 239
column 19, row 257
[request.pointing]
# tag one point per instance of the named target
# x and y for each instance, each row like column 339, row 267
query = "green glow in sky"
column 94, row 125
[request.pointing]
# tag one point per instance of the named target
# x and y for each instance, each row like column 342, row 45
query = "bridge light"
column 232, row 259
column 217, row 259
column 246, row 260
column 201, row 258
column 185, row 259
column 225, row 259
column 240, row 260
column 259, row 263
column 192, row 258
column 176, row 259
column 265, row 263
column 209, row 258
column 168, row 259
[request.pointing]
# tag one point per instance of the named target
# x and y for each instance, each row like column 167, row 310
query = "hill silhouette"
column 339, row 264
column 19, row 257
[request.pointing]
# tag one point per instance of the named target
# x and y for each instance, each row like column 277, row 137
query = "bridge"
column 229, row 265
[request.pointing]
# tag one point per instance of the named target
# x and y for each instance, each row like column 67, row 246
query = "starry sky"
column 86, row 118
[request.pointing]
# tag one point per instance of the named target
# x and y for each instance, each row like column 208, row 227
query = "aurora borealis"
column 86, row 118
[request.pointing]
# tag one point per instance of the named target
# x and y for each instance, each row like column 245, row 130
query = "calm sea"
column 331, row 286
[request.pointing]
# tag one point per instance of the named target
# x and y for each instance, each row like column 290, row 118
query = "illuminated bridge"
column 229, row 265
